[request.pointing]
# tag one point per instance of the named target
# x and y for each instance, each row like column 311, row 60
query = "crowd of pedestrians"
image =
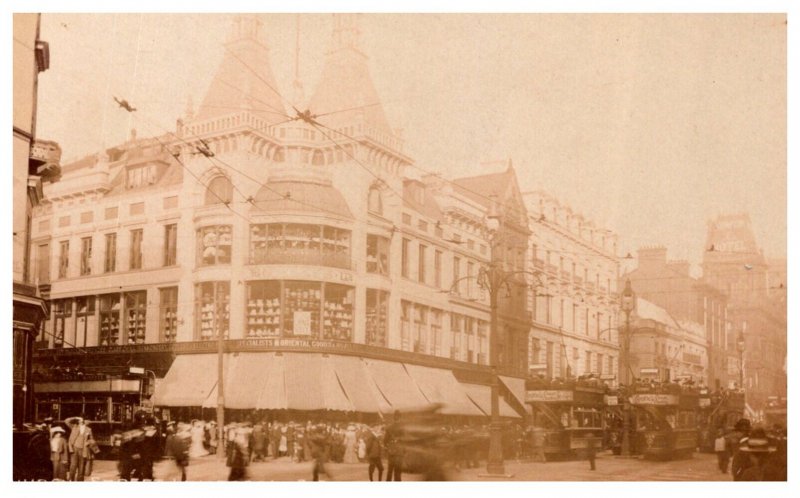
column 753, row 454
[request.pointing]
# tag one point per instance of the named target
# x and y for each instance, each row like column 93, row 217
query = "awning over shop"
column 516, row 387
column 88, row 386
column 189, row 381
column 311, row 384
column 395, row 385
column 361, row 391
column 441, row 386
column 272, row 394
column 245, row 378
column 482, row 397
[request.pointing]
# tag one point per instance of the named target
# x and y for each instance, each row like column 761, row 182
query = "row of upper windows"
column 109, row 213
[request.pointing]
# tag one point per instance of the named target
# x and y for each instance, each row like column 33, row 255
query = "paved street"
column 702, row 467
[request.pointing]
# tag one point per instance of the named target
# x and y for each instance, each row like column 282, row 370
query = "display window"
column 377, row 317
column 264, row 309
column 301, row 309
column 109, row 320
column 337, row 318
column 169, row 314
column 136, row 314
column 214, row 245
column 293, row 243
column 212, row 310
column 377, row 255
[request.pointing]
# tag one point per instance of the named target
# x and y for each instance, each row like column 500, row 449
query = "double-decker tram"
column 664, row 419
column 718, row 410
column 570, row 414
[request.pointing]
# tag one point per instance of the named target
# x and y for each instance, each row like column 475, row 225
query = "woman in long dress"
column 197, row 449
column 350, row 455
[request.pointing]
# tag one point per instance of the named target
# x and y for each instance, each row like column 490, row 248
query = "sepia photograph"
column 342, row 246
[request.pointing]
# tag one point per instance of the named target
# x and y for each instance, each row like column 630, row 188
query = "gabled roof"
column 501, row 186
column 244, row 77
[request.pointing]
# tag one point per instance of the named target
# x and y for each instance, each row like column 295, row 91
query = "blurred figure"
column 177, row 446
column 757, row 450
column 394, row 449
column 259, row 442
column 350, row 442
column 90, row 450
column 374, row 453
column 198, row 448
column 739, row 460
column 78, row 437
column 320, row 447
column 238, row 453
column 721, row 449
column 59, row 454
column 538, row 445
column 591, row 450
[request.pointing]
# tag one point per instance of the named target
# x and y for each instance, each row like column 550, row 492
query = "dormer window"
column 140, row 176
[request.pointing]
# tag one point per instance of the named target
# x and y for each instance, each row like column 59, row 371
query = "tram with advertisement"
column 570, row 414
column 717, row 410
column 663, row 419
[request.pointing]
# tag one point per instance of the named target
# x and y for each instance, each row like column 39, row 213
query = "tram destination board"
column 654, row 399
column 548, row 395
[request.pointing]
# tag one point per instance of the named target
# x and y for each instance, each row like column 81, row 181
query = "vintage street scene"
column 399, row 247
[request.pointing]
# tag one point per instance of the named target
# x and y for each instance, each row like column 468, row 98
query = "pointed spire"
column 346, row 83
column 244, row 79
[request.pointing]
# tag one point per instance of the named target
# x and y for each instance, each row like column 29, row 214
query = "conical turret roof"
column 244, row 79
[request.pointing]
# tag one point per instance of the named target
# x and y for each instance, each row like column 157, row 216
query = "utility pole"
column 220, row 380
column 628, row 304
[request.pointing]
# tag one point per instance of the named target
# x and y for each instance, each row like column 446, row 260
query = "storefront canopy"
column 516, row 387
column 482, row 397
column 189, row 381
column 441, row 386
column 313, row 381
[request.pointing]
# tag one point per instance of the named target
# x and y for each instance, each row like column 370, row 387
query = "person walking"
column 538, row 445
column 350, row 442
column 736, row 439
column 59, row 453
column 374, row 453
column 90, row 450
column 238, row 454
column 320, row 447
column 394, row 449
column 591, row 451
column 177, row 447
column 259, row 442
column 76, row 445
column 721, row 449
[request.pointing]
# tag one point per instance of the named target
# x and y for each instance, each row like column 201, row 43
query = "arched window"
column 219, row 191
column 318, row 159
column 374, row 201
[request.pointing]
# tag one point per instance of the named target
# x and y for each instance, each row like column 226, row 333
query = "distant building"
column 670, row 285
column 35, row 162
column 734, row 264
column 336, row 280
column 575, row 304
column 664, row 349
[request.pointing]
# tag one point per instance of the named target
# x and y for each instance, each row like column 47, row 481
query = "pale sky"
column 649, row 125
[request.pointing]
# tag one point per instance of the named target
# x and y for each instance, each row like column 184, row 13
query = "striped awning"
column 482, row 397
column 441, row 386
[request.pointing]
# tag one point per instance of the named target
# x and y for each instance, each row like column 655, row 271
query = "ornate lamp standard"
column 627, row 303
column 493, row 278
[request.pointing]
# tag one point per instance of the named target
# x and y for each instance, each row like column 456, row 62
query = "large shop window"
column 307, row 309
column 212, row 309
column 109, row 320
column 62, row 309
column 377, row 317
column 136, row 313
column 264, row 309
column 377, row 254
column 293, row 243
column 214, row 245
column 169, row 314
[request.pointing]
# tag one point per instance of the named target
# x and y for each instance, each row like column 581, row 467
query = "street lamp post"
column 740, row 349
column 490, row 280
column 628, row 303
column 220, row 381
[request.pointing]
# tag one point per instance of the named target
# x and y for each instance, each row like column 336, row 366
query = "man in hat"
column 735, row 440
column 79, row 436
column 757, row 449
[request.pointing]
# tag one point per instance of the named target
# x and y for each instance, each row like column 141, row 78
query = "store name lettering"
column 548, row 396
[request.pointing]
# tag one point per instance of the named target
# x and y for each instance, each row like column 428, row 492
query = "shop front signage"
column 548, row 396
column 654, row 399
column 611, row 400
